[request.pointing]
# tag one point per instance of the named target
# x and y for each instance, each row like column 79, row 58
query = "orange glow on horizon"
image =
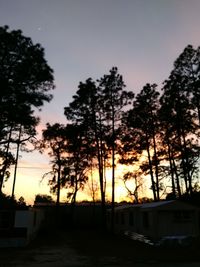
column 29, row 176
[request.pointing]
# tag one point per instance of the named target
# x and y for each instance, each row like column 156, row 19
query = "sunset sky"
column 85, row 38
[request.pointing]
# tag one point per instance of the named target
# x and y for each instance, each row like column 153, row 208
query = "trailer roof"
column 156, row 204
column 152, row 205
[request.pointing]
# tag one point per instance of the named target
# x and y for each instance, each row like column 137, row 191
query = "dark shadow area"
column 99, row 248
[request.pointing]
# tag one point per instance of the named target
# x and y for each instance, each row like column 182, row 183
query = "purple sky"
column 85, row 38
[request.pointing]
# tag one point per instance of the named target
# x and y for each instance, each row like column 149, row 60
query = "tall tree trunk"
column 92, row 180
column 171, row 167
column 6, row 160
column 181, row 145
column 177, row 177
column 189, row 177
column 155, row 158
column 58, row 183
column 136, row 190
column 113, row 176
column 75, row 190
column 156, row 168
column 151, row 169
column 101, row 177
column 104, row 174
column 182, row 156
column 16, row 162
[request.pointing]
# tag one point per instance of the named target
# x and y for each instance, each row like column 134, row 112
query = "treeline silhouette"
column 155, row 132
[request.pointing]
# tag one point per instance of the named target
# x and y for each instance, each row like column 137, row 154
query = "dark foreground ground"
column 89, row 248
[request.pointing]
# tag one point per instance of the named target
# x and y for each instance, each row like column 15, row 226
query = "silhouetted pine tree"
column 179, row 115
column 142, row 123
column 114, row 101
column 25, row 82
column 86, row 110
column 54, row 142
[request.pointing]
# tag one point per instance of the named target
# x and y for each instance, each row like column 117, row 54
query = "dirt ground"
column 89, row 248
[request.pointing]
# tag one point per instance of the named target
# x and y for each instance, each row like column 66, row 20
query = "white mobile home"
column 157, row 220
column 19, row 227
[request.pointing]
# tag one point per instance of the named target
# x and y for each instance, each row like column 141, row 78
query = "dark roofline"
column 153, row 205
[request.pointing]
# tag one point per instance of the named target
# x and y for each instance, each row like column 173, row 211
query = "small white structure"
column 157, row 220
column 19, row 227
